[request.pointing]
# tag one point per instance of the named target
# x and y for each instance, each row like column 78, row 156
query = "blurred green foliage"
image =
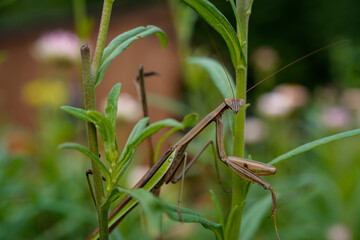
column 44, row 191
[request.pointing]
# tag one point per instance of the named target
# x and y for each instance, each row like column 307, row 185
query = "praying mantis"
column 167, row 166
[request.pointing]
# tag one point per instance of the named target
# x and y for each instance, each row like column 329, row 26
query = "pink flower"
column 335, row 117
column 57, row 45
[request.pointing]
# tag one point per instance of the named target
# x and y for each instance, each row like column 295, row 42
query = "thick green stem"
column 89, row 94
column 240, row 186
column 103, row 29
column 89, row 87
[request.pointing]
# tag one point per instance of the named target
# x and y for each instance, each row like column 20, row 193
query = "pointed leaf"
column 107, row 133
column 112, row 104
column 138, row 129
column 123, row 41
column 220, row 78
column 234, row 212
column 217, row 207
column 130, row 146
column 218, row 21
column 313, row 144
column 190, row 120
column 77, row 112
column 89, row 154
column 153, row 208
column 135, row 133
column 253, row 217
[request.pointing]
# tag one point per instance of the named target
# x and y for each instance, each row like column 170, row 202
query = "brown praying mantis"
column 166, row 168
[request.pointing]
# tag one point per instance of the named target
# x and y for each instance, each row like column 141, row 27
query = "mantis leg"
column 248, row 175
column 175, row 179
column 88, row 172
column 248, row 169
column 181, row 187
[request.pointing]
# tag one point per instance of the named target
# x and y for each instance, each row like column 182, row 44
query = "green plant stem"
column 240, row 186
column 89, row 95
column 103, row 29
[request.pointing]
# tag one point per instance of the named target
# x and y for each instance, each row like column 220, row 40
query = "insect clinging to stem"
column 167, row 167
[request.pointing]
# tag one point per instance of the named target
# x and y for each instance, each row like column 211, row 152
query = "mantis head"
column 235, row 104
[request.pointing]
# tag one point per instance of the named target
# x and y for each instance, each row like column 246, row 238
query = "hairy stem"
column 89, row 95
column 103, row 29
column 240, row 186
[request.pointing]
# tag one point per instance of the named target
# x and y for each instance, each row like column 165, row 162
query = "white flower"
column 282, row 100
column 339, row 232
column 57, row 45
column 137, row 172
column 273, row 105
column 128, row 108
column 335, row 117
column 296, row 94
column 254, row 130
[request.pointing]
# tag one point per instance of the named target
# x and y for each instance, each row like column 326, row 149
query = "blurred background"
column 44, row 191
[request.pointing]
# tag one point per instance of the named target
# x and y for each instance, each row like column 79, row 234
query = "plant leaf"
column 123, row 41
column 253, row 217
column 108, row 137
column 89, row 154
column 218, row 21
column 154, row 207
column 190, row 120
column 234, row 211
column 77, row 112
column 217, row 207
column 217, row 74
column 131, row 145
column 308, row 146
column 112, row 104
column 138, row 129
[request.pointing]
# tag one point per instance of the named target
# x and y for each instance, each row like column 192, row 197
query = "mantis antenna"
column 297, row 60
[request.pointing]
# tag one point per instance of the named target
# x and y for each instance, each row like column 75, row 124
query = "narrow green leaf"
column 217, row 207
column 135, row 133
column 107, row 133
column 190, row 120
column 308, row 146
column 89, row 154
column 77, row 112
column 138, row 129
column 238, row 22
column 253, row 217
column 123, row 41
column 218, row 21
column 153, row 208
column 112, row 104
column 217, row 74
column 234, row 212
column 130, row 146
